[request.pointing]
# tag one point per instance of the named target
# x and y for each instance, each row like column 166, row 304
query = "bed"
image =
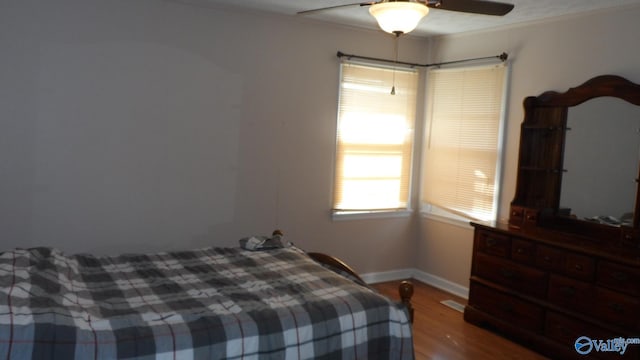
column 210, row 303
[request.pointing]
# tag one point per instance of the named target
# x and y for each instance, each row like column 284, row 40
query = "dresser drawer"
column 504, row 272
column 517, row 217
column 550, row 258
column 549, row 288
column 615, row 308
column 523, row 251
column 580, row 266
column 570, row 294
column 494, row 244
column 619, row 277
column 566, row 330
column 506, row 308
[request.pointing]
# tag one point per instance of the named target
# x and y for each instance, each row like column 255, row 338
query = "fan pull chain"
column 395, row 62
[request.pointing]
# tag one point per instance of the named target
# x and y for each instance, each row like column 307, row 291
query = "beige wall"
column 545, row 56
column 150, row 124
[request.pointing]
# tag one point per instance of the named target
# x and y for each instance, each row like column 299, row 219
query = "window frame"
column 441, row 214
column 408, row 210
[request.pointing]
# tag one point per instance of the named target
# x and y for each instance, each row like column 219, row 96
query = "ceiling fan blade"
column 335, row 7
column 472, row 6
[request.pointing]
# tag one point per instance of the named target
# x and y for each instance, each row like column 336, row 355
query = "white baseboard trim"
column 442, row 284
column 393, row 275
column 429, row 279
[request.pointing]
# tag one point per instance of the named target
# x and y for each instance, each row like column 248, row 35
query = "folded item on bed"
column 254, row 243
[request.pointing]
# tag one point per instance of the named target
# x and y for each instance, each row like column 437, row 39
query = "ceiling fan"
column 402, row 16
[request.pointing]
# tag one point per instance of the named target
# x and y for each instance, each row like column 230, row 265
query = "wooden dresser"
column 549, row 279
column 546, row 290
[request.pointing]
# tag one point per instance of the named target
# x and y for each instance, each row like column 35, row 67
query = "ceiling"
column 438, row 22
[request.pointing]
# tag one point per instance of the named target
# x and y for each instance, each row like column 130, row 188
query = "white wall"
column 545, row 56
column 150, row 124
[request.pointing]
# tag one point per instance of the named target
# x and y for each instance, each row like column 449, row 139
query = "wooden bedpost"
column 406, row 292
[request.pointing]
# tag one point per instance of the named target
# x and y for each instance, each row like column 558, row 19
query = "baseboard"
column 429, row 279
column 393, row 275
column 442, row 284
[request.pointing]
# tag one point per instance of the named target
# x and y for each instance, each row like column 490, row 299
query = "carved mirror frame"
column 536, row 203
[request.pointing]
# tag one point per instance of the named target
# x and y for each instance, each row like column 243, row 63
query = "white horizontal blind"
column 374, row 138
column 461, row 150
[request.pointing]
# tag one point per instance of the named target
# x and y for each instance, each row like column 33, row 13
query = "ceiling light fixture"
column 398, row 17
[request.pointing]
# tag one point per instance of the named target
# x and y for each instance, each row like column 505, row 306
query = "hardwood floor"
column 441, row 333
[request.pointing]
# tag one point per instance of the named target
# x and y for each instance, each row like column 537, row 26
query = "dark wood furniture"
column 541, row 166
column 546, row 289
column 546, row 279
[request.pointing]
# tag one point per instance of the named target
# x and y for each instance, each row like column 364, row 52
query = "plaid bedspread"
column 208, row 303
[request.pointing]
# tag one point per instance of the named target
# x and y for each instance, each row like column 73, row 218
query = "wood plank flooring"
column 441, row 333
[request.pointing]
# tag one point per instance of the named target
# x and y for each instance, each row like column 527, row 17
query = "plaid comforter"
column 209, row 303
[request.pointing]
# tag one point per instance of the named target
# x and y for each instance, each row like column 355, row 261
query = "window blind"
column 374, row 137
column 464, row 110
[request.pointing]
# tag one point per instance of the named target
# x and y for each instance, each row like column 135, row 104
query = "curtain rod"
column 503, row 57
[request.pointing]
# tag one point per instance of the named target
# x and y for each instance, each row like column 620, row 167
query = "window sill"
column 447, row 220
column 362, row 215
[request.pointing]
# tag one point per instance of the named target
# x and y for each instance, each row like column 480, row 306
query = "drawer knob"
column 507, row 307
column 547, row 258
column 563, row 330
column 520, row 251
column 619, row 276
column 579, row 267
column 491, row 242
column 568, row 291
column 509, row 274
column 616, row 307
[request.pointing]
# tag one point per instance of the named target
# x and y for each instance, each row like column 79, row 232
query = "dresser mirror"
column 578, row 161
column 601, row 157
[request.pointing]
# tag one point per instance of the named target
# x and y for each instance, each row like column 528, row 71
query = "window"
column 374, row 138
column 463, row 142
